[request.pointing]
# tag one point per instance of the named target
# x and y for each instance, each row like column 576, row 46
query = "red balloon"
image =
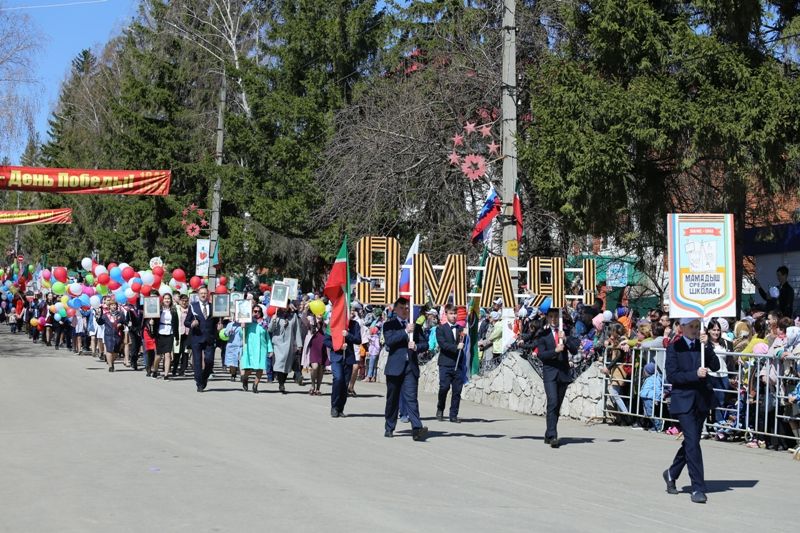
column 195, row 282
column 263, row 287
column 223, row 280
column 114, row 285
column 221, row 289
column 103, row 279
column 145, row 291
column 111, row 265
column 271, row 310
column 40, row 327
column 70, row 312
column 128, row 273
column 179, row 275
column 60, row 273
column 158, row 271
column 136, row 286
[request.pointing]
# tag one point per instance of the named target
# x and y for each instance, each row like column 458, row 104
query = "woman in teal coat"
column 256, row 347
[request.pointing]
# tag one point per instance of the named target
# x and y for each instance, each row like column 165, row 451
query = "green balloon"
column 89, row 279
column 30, row 268
column 222, row 336
column 102, row 289
column 59, row 288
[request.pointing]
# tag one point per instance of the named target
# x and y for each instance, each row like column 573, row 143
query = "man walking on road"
column 202, row 338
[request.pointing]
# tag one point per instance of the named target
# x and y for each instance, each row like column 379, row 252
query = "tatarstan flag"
column 337, row 289
column 518, row 214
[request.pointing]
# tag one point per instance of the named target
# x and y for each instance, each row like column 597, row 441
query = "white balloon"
column 123, row 266
column 173, row 283
column 95, row 301
column 130, row 294
column 184, row 289
column 607, row 316
column 75, row 289
column 164, row 289
column 60, row 308
column 100, row 269
column 147, row 278
column 86, row 263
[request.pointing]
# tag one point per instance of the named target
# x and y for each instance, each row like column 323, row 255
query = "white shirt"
column 165, row 322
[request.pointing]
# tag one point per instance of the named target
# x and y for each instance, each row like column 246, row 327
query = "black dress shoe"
column 334, row 412
column 455, row 420
column 699, row 497
column 342, row 415
column 440, row 416
column 419, row 434
column 547, row 440
column 388, row 434
column 255, row 388
column 199, row 389
column 282, row 388
column 671, row 488
column 554, row 443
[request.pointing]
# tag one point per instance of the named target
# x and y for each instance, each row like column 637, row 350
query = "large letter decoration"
column 388, row 271
column 85, row 181
column 37, row 216
column 497, row 281
column 453, row 280
column 553, row 268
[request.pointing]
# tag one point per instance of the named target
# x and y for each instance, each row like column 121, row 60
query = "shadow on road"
column 725, row 485
column 563, row 441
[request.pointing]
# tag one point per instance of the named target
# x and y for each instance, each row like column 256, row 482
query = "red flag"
column 337, row 289
column 518, row 214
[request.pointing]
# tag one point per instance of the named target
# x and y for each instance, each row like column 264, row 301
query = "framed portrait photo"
column 152, row 307
column 235, row 297
column 293, row 285
column 221, row 305
column 244, row 312
column 280, row 295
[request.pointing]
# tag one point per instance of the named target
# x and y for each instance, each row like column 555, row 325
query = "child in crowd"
column 651, row 392
column 373, row 351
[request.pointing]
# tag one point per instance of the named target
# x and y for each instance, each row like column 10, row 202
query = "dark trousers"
column 689, row 454
column 203, row 353
column 406, row 385
column 555, row 391
column 341, row 378
column 181, row 360
column 134, row 348
column 449, row 378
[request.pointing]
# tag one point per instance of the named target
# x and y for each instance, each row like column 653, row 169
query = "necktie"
column 455, row 332
column 205, row 310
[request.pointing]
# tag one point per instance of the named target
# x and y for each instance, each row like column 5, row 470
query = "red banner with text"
column 40, row 216
column 85, row 181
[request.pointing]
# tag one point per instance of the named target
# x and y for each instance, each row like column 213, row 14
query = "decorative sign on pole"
column 203, row 257
column 702, row 265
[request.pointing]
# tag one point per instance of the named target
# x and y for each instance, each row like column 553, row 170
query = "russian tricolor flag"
column 405, row 271
column 491, row 208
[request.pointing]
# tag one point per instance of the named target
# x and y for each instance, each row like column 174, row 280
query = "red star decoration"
column 201, row 213
column 474, row 166
column 454, row 159
column 458, row 140
column 486, row 130
column 469, row 127
column 185, row 212
column 192, row 207
column 494, row 148
column 204, row 223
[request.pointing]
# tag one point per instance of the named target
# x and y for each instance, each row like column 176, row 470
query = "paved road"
column 84, row 450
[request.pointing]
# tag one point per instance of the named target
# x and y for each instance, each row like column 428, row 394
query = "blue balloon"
column 84, row 299
column 116, row 274
column 57, row 317
column 8, row 283
column 545, row 307
column 136, row 280
column 120, row 298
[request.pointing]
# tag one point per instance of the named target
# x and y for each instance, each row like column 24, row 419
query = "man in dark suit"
column 553, row 348
column 403, row 340
column 450, row 337
column 202, row 338
column 785, row 300
column 342, row 366
column 690, row 401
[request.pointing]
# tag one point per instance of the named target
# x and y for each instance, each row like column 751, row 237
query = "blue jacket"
column 652, row 388
column 206, row 330
column 689, row 391
column 353, row 338
column 396, row 342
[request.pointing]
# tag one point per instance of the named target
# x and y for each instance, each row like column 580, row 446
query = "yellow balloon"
column 317, row 307
column 65, row 299
column 34, row 323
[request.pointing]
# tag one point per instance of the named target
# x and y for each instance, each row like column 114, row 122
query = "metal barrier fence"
column 751, row 396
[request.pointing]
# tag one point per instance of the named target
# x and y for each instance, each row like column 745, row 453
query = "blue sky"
column 66, row 27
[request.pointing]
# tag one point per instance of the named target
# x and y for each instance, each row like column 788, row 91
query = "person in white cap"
column 690, row 401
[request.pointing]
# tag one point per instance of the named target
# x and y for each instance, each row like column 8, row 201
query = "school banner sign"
column 702, row 267
column 85, row 181
column 40, row 216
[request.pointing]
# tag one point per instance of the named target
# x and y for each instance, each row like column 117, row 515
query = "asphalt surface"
column 85, row 450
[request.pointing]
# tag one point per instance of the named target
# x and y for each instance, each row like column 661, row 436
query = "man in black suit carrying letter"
column 403, row 340
column 690, row 401
column 202, row 338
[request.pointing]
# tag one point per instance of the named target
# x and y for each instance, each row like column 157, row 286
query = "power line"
column 46, row 6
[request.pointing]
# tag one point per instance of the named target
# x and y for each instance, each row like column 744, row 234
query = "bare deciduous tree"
column 17, row 49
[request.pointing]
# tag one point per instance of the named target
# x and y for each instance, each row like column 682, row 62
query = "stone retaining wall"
column 515, row 385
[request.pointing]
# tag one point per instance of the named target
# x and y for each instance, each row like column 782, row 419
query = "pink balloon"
column 88, row 291
column 46, row 274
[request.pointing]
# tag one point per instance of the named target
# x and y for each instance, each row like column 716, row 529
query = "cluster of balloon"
column 222, row 281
